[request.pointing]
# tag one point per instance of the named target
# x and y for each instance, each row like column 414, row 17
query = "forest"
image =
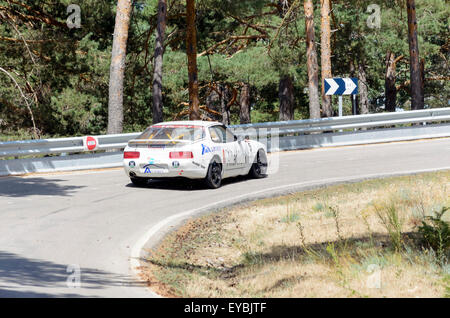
column 71, row 68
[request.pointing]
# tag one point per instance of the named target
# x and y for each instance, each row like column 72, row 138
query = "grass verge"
column 364, row 239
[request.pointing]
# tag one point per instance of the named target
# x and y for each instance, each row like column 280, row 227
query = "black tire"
column 259, row 167
column 139, row 182
column 213, row 179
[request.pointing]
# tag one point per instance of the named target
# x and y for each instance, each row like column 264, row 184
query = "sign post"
column 340, row 87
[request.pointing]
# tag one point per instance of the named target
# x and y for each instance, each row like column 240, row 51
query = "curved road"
column 97, row 220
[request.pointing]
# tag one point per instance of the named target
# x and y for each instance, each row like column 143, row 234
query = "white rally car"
column 194, row 150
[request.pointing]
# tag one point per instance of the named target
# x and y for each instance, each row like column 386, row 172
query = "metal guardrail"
column 61, row 145
column 354, row 122
column 297, row 134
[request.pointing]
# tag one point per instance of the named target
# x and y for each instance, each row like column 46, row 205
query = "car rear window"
column 173, row 133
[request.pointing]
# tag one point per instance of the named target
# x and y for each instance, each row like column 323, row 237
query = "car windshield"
column 173, row 133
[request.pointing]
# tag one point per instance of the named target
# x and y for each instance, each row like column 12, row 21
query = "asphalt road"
column 52, row 224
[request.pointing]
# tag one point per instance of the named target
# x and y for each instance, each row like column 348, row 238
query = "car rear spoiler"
column 156, row 142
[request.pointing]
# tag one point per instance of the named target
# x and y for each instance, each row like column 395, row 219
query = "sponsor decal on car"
column 154, row 170
column 154, row 165
column 198, row 165
column 206, row 149
column 151, row 160
column 228, row 157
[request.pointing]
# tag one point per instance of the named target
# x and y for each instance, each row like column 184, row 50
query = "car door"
column 229, row 150
column 242, row 151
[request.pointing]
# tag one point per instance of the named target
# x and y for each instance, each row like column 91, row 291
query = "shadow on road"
column 184, row 184
column 18, row 274
column 21, row 187
column 7, row 293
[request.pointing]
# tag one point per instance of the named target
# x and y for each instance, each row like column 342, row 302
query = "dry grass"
column 332, row 242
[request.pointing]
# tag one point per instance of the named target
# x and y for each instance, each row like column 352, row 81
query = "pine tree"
column 286, row 96
column 312, row 66
column 325, row 53
column 117, row 70
column 158, row 63
column 417, row 99
column 244, row 113
column 191, row 51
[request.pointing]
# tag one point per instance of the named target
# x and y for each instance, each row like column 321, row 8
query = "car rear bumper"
column 182, row 168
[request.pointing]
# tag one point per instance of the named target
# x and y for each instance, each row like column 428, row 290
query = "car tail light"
column 131, row 154
column 181, row 155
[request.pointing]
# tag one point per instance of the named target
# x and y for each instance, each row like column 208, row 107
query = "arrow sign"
column 341, row 86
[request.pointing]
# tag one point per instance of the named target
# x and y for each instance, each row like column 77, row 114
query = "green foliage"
column 436, row 233
column 354, row 42
column 446, row 281
column 65, row 72
column 319, row 206
column 290, row 218
column 250, row 258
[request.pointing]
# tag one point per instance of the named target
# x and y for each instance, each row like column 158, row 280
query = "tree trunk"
column 213, row 102
column 355, row 110
column 325, row 40
column 158, row 63
column 117, row 68
column 414, row 63
column 390, row 91
column 191, row 50
column 422, row 74
column 311, row 56
column 224, row 105
column 244, row 114
column 286, row 95
column 363, row 91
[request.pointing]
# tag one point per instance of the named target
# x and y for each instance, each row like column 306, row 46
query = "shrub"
column 436, row 233
column 392, row 222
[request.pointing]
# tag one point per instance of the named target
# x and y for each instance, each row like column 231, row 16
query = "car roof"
column 190, row 123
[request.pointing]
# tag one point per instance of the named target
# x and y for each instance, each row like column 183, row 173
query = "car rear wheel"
column 213, row 178
column 259, row 167
column 140, row 182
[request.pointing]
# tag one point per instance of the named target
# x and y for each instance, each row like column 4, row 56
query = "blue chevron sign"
column 341, row 86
